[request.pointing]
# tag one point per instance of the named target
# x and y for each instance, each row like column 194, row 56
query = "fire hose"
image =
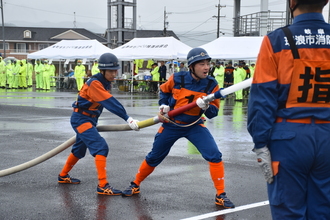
column 125, row 127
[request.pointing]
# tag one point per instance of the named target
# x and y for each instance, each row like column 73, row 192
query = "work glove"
column 202, row 104
column 164, row 109
column 265, row 162
column 133, row 124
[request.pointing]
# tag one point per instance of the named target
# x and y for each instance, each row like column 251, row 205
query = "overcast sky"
column 191, row 20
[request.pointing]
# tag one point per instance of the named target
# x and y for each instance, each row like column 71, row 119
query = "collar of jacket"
column 313, row 16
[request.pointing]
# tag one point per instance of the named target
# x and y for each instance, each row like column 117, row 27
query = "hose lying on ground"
column 70, row 142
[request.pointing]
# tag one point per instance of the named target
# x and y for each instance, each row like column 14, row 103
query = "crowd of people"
column 18, row 74
column 22, row 74
column 226, row 74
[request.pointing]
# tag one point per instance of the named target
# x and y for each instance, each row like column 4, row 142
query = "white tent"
column 72, row 49
column 158, row 48
column 234, row 48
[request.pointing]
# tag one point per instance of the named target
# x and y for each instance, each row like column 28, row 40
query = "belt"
column 302, row 120
column 83, row 112
column 180, row 122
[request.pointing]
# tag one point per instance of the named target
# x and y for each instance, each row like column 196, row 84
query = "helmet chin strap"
column 192, row 71
column 103, row 74
column 292, row 9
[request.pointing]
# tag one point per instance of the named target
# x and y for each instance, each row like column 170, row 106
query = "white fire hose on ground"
column 123, row 127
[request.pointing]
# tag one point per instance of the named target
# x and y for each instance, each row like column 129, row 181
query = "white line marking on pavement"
column 226, row 211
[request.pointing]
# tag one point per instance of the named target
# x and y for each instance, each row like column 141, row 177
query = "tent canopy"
column 72, row 49
column 158, row 48
column 234, row 48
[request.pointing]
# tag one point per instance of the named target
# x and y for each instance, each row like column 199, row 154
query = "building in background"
column 259, row 23
column 21, row 41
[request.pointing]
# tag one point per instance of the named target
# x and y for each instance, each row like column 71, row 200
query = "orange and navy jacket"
column 95, row 95
column 272, row 79
column 182, row 89
column 229, row 69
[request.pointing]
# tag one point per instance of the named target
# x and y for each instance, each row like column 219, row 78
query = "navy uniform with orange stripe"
column 93, row 97
column 289, row 113
column 181, row 89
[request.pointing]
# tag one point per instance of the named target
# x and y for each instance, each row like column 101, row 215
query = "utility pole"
column 165, row 21
column 218, row 17
column 3, row 32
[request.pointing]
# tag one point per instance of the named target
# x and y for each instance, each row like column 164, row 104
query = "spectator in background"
column 176, row 68
column 155, row 76
column 252, row 68
column 229, row 78
column 9, row 72
column 79, row 74
column 162, row 71
column 29, row 67
column 248, row 75
column 239, row 76
column 183, row 68
column 46, row 76
column 39, row 69
column 2, row 73
column 95, row 68
column 212, row 68
column 16, row 69
column 170, row 69
column 22, row 75
column 247, row 70
column 219, row 73
column 52, row 74
column 69, row 82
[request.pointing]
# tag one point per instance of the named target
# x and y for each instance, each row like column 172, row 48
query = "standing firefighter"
column 183, row 88
column 3, row 78
column 39, row 70
column 95, row 68
column 22, row 75
column 46, row 76
column 92, row 98
column 289, row 114
column 79, row 74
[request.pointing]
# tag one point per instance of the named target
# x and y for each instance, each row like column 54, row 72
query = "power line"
column 55, row 12
column 197, row 26
column 196, row 11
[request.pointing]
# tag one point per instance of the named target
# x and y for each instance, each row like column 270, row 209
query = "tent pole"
column 132, row 70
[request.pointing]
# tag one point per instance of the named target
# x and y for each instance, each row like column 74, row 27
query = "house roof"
column 148, row 33
column 46, row 34
column 14, row 33
column 155, row 33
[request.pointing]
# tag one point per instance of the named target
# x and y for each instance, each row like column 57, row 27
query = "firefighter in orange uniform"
column 92, row 98
column 180, row 89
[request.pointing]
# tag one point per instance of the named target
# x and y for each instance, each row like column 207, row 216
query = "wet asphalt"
column 34, row 122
